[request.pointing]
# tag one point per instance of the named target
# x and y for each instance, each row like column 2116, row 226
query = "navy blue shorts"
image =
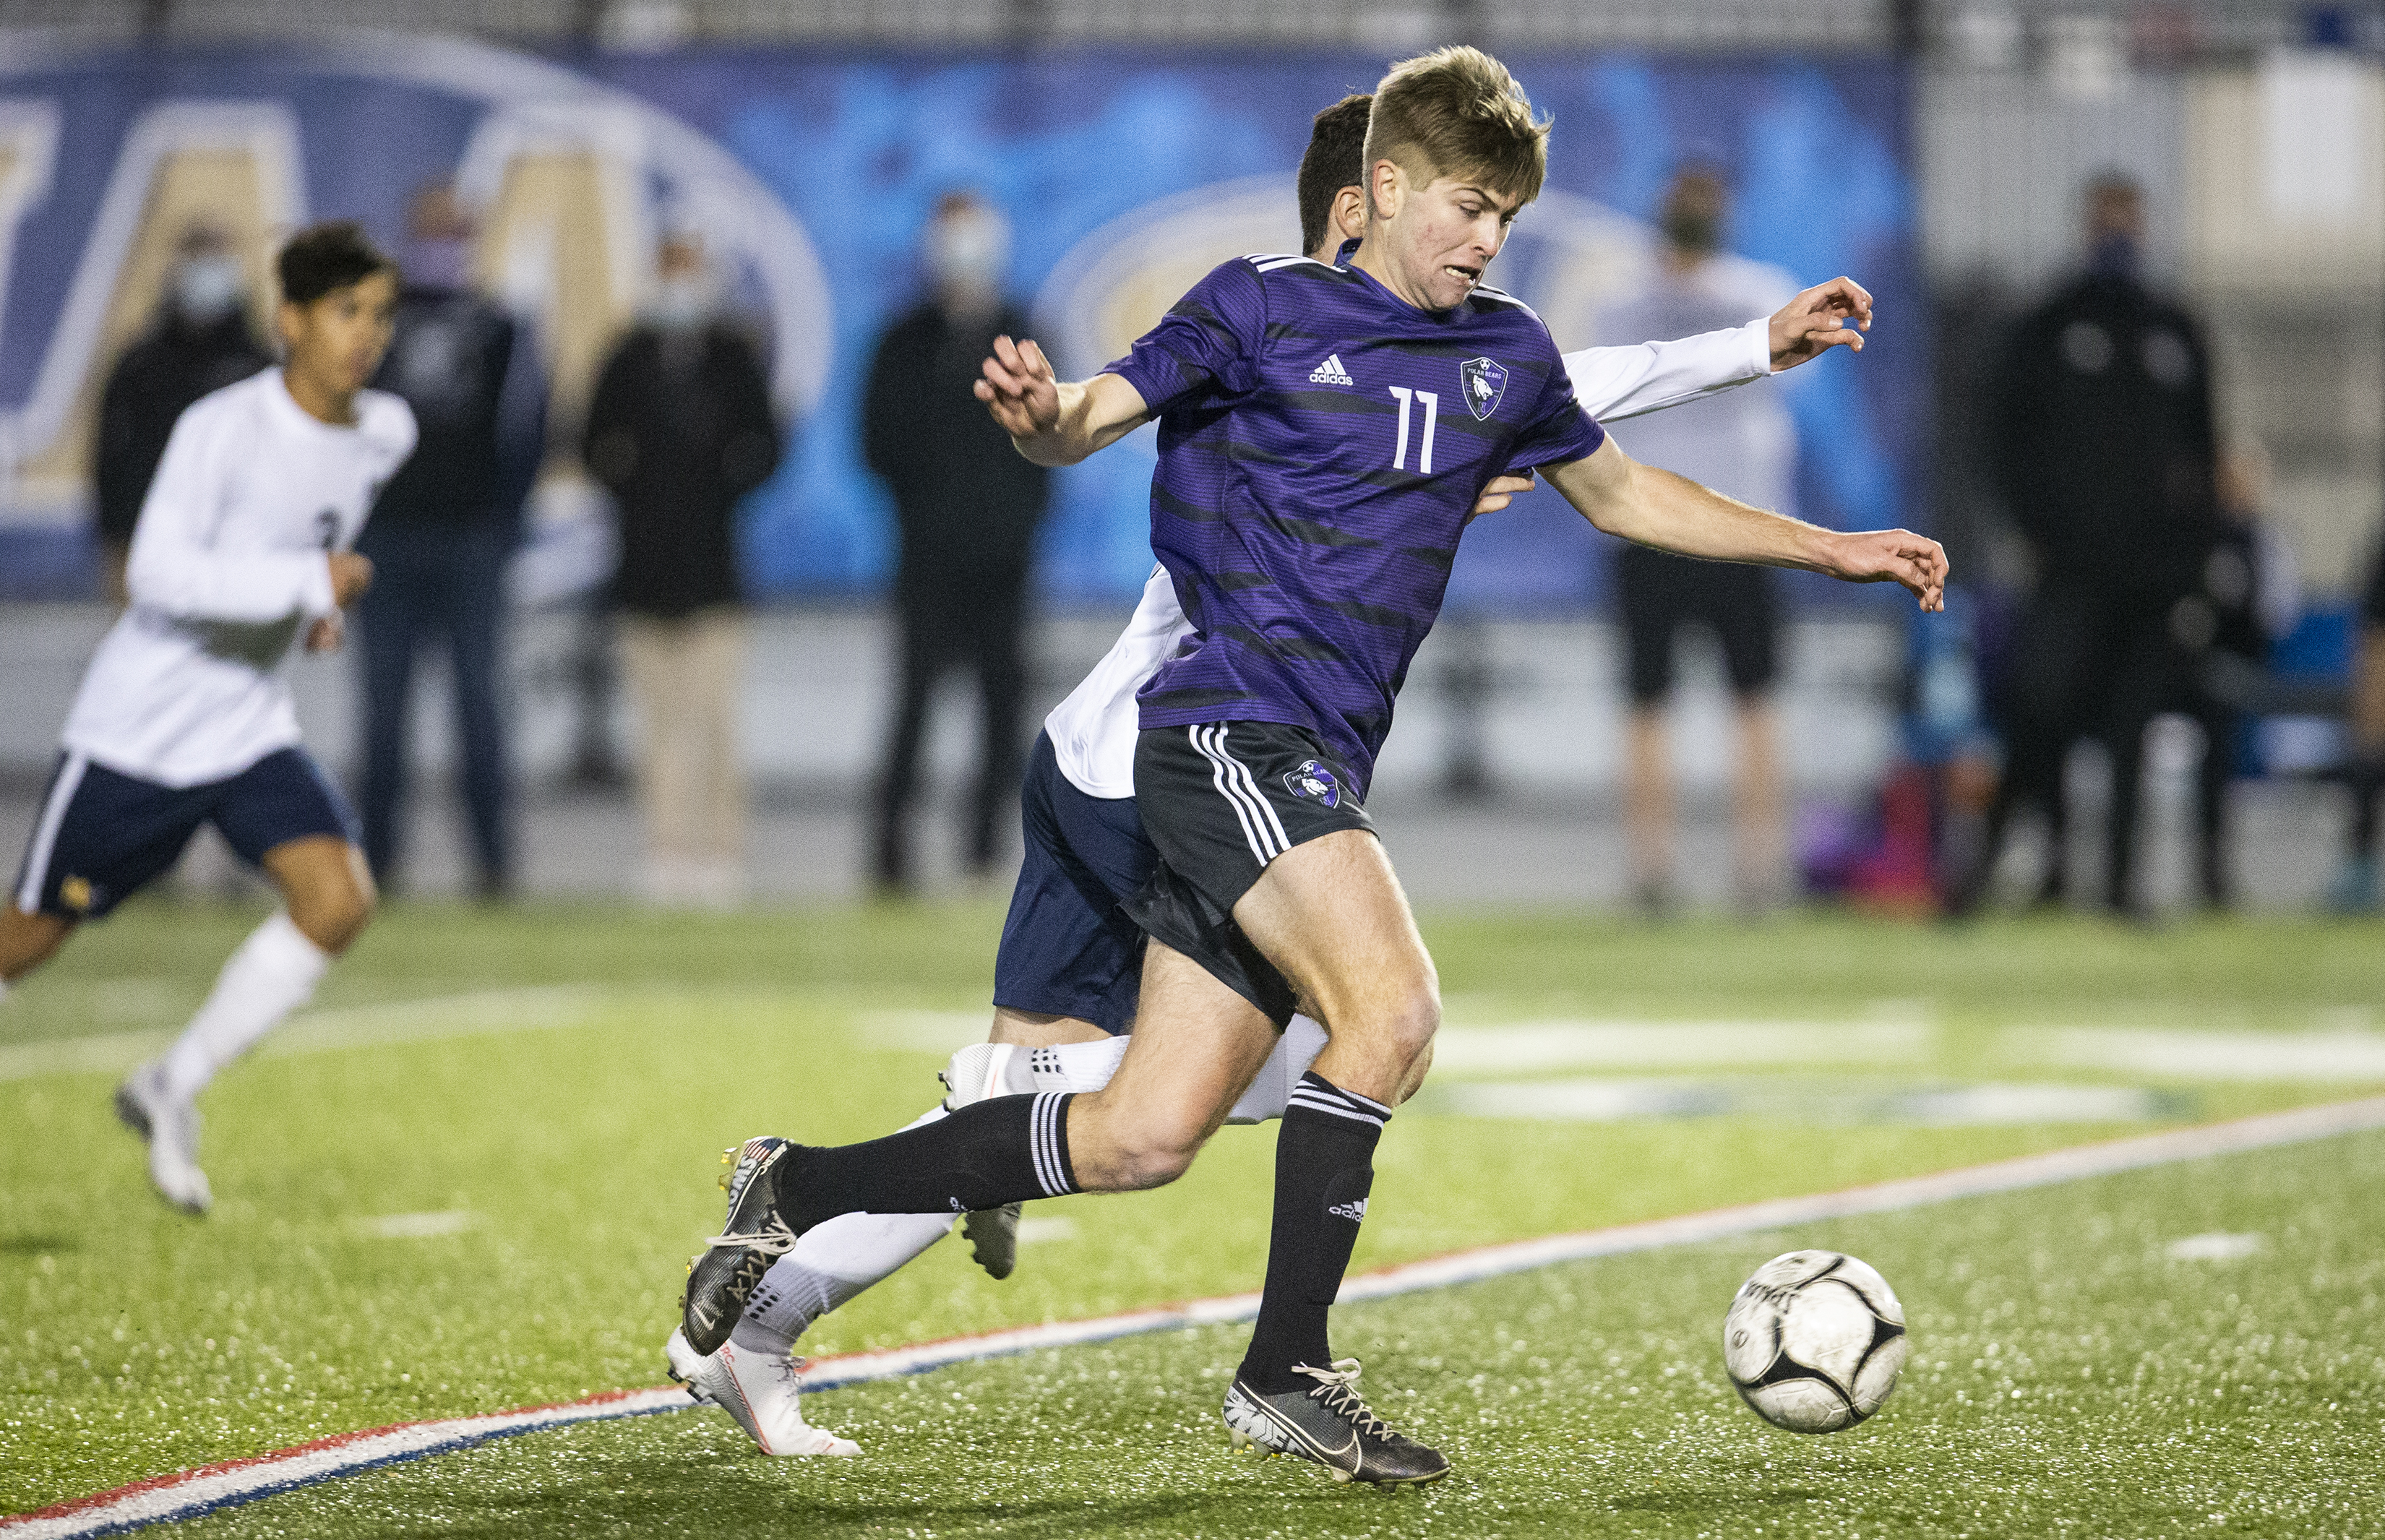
column 103, row 834
column 1068, row 949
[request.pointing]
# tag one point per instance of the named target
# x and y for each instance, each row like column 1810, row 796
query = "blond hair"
column 1457, row 112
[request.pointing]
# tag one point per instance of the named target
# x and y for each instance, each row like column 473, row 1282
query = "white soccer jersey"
column 227, row 571
column 1094, row 730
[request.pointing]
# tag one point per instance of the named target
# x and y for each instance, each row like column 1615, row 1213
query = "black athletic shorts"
column 1220, row 801
column 1659, row 592
column 102, row 834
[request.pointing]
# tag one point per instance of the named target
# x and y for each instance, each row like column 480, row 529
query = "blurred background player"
column 2358, row 887
column 1742, row 444
column 966, row 510
column 202, row 339
column 2250, row 598
column 442, row 536
column 184, row 718
column 2102, row 439
column 680, row 429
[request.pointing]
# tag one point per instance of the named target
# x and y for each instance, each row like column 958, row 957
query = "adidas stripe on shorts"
column 1219, row 801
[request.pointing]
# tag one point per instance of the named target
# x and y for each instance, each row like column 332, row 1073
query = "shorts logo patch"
column 1355, row 1212
column 1485, row 383
column 1315, row 782
column 75, row 893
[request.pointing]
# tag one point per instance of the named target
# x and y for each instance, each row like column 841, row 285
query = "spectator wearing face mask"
column 202, row 341
column 681, row 427
column 2101, row 434
column 443, row 533
column 966, row 508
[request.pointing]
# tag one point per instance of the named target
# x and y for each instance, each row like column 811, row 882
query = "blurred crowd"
column 2155, row 589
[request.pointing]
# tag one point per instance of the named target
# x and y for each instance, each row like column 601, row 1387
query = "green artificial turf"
column 571, row 1144
column 2068, row 1378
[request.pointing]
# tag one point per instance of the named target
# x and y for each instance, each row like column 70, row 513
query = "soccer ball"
column 1814, row 1341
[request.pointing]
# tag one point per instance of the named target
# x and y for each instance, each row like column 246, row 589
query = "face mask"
column 1693, row 228
column 683, row 303
column 969, row 250
column 439, row 263
column 208, row 289
column 2114, row 256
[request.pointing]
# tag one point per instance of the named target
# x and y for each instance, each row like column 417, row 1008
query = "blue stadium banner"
column 809, row 172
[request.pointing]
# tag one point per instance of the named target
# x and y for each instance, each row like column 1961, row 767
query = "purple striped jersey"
column 1321, row 444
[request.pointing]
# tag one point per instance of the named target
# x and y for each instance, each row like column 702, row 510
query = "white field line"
column 192, row 1493
column 2343, row 1053
column 493, row 1011
column 1571, row 1045
column 1600, row 1100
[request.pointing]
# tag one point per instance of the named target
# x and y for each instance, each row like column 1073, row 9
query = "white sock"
column 835, row 1260
column 273, row 974
column 1077, row 1066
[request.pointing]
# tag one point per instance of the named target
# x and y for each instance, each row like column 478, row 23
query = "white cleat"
column 171, row 1128
column 762, row 1391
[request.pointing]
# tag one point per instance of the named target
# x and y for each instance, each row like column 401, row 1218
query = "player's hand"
column 1501, row 491
column 1828, row 315
column 1020, row 389
column 351, row 575
column 326, row 634
column 1894, row 556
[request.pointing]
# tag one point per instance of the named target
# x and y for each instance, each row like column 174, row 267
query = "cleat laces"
column 774, row 1239
column 1336, row 1392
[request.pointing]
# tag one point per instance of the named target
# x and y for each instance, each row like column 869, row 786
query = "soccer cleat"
column 993, row 1235
column 977, row 1072
column 1330, row 1424
column 171, row 1127
column 723, row 1276
column 762, row 1391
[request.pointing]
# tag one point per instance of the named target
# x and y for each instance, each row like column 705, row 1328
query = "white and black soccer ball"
column 1815, row 1341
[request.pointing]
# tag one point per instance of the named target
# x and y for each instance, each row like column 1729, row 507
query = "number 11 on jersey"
column 1432, row 417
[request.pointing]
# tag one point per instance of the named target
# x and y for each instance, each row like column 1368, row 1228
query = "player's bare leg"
column 26, row 941
column 1197, row 1047
column 1330, row 914
column 1648, row 810
column 1759, row 807
column 327, row 898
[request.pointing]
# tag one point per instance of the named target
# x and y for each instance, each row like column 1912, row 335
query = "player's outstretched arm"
column 1053, row 421
column 1829, row 315
column 1649, row 507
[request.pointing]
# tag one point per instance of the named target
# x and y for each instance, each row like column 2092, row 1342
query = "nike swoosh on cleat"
column 1323, row 1455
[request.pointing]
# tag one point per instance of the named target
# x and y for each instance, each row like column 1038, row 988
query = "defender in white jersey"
column 243, row 553
column 1069, row 966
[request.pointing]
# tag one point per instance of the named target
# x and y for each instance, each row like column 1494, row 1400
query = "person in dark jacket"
column 966, row 504
column 2101, row 436
column 202, row 341
column 681, row 427
column 442, row 536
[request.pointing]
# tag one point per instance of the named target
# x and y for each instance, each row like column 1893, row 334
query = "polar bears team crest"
column 1314, row 782
column 1485, row 383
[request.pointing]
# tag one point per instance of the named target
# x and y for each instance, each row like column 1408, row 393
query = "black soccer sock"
column 1006, row 1149
column 1323, row 1171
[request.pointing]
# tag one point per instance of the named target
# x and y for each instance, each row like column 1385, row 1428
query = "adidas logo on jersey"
column 1331, row 372
column 1355, row 1212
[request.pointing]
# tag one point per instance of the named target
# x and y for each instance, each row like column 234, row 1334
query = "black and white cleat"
column 723, row 1277
column 1330, row 1425
column 993, row 1235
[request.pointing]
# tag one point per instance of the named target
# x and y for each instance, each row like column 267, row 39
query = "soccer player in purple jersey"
column 1325, row 431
